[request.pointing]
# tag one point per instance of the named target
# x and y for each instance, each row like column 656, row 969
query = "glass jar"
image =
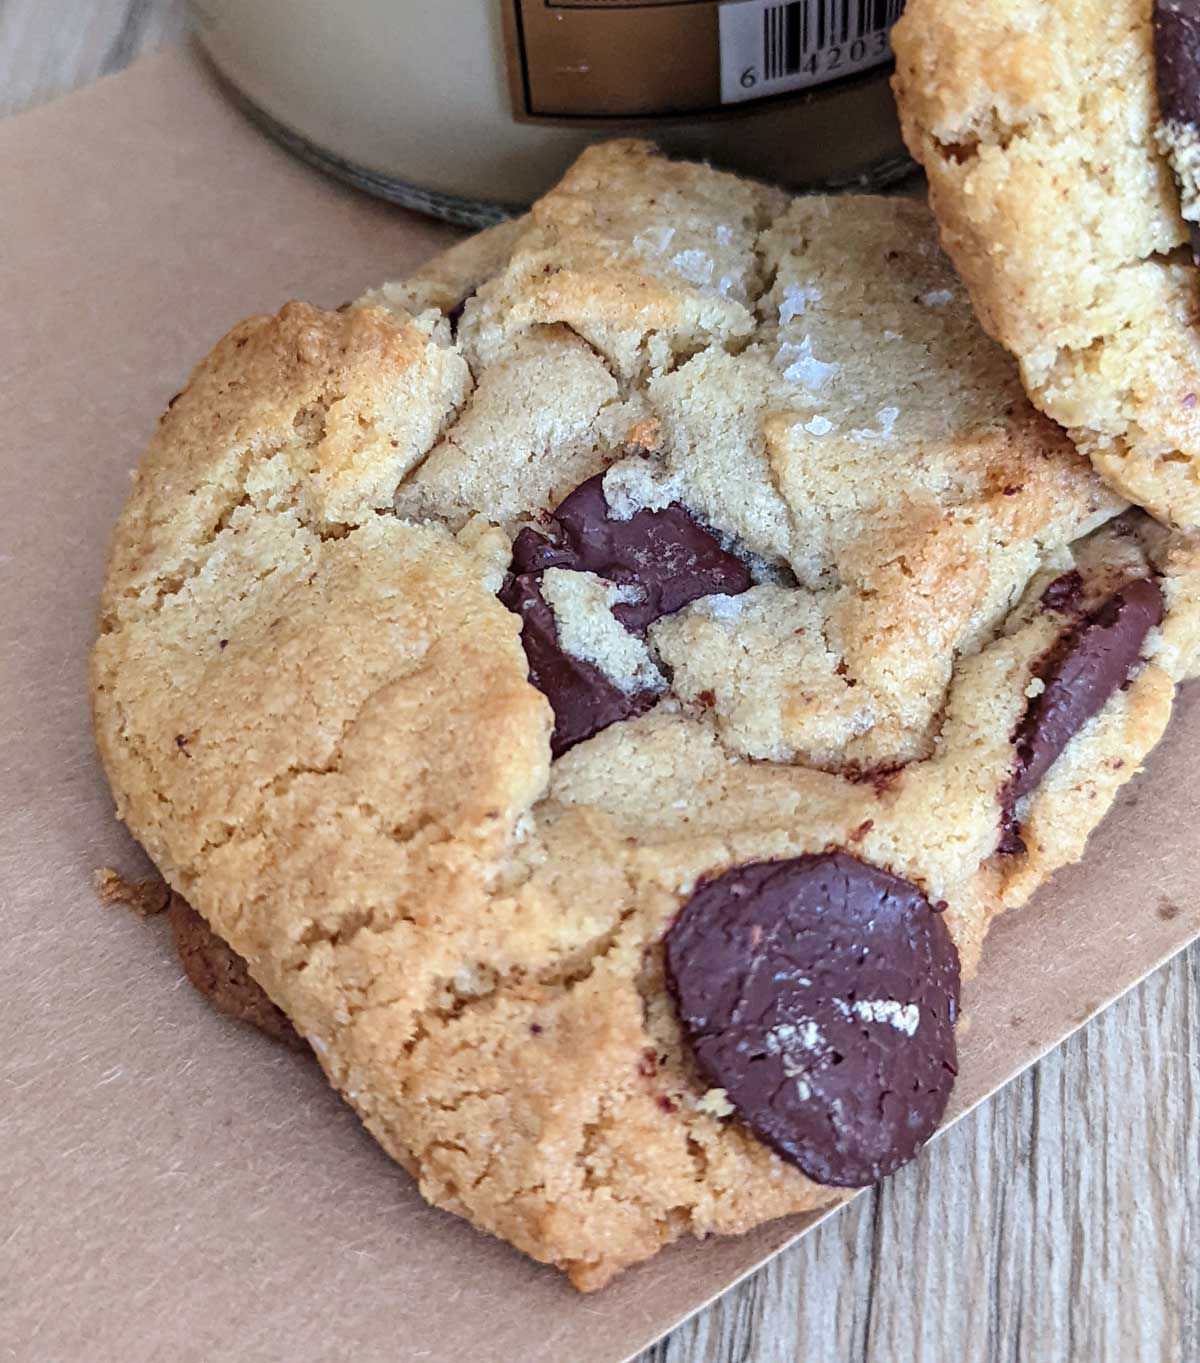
column 471, row 108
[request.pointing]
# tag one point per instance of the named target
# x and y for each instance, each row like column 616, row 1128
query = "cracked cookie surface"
column 316, row 710
column 1039, row 126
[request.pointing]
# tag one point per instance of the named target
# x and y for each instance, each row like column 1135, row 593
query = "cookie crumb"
column 715, row 1102
column 144, row 897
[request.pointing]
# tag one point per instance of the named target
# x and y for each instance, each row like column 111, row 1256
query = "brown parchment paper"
column 171, row 1186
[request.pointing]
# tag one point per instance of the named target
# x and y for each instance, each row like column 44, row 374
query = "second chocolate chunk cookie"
column 1061, row 144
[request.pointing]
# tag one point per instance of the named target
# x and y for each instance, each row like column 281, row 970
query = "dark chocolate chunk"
column 821, row 994
column 1177, row 60
column 1078, row 676
column 1177, row 69
column 454, row 314
column 533, row 553
column 1010, row 842
column 583, row 699
column 1092, row 663
column 666, row 556
column 1064, row 594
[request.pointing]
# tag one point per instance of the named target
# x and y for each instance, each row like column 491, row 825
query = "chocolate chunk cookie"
column 607, row 728
column 1060, row 142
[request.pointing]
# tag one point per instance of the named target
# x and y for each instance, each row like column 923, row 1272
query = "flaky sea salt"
column 862, row 721
column 625, row 593
column 654, row 238
column 722, row 607
column 904, row 1017
column 803, row 1035
column 886, row 417
column 695, row 266
column 801, row 366
column 937, row 298
column 796, row 298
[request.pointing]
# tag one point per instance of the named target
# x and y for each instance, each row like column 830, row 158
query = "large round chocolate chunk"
column 821, row 993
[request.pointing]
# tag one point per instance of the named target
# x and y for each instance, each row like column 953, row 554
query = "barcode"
column 768, row 47
column 795, row 31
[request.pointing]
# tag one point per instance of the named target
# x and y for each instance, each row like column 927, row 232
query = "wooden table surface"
column 1059, row 1222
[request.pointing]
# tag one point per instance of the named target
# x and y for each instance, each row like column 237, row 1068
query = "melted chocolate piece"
column 1177, row 69
column 1010, row 842
column 1064, row 594
column 583, row 699
column 454, row 314
column 533, row 553
column 666, row 556
column 1079, row 675
column 1177, row 59
column 821, row 993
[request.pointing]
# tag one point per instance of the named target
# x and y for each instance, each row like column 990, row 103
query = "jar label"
column 575, row 60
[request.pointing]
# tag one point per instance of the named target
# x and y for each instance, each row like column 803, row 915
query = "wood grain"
column 1059, row 1222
